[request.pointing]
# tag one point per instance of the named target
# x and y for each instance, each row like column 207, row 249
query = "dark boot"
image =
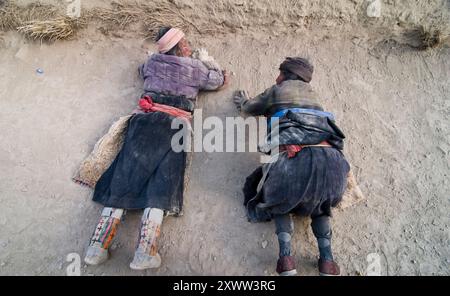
column 328, row 268
column 286, row 266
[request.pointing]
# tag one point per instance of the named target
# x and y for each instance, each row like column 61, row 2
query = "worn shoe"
column 96, row 255
column 286, row 266
column 143, row 261
column 328, row 268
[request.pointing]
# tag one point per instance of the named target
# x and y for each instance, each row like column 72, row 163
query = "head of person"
column 295, row 69
column 172, row 41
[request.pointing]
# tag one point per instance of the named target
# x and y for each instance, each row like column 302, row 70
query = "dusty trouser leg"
column 284, row 228
column 146, row 255
column 322, row 231
column 103, row 236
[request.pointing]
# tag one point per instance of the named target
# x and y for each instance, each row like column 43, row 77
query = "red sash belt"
column 147, row 105
column 292, row 150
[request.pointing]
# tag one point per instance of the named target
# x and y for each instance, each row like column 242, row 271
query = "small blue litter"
column 39, row 71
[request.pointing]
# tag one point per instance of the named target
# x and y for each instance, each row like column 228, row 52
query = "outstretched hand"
column 239, row 97
column 226, row 79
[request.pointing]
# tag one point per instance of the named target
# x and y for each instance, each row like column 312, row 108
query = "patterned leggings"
column 106, row 229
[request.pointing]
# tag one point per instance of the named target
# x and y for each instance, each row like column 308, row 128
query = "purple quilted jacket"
column 177, row 76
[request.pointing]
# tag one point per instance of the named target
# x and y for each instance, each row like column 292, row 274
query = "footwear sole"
column 134, row 267
column 93, row 263
column 157, row 265
column 289, row 273
column 324, row 274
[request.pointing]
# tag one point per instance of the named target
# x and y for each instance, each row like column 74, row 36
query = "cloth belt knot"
column 147, row 105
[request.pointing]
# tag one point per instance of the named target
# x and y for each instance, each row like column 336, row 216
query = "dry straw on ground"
column 427, row 39
column 59, row 28
column 13, row 16
column 150, row 15
column 422, row 38
column 37, row 21
column 46, row 22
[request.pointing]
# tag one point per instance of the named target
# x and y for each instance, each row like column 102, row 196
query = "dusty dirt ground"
column 391, row 101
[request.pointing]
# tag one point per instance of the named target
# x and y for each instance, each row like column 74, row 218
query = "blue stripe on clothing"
column 283, row 112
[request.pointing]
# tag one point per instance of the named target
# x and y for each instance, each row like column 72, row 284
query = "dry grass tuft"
column 151, row 15
column 60, row 28
column 46, row 22
column 424, row 39
column 37, row 21
column 13, row 16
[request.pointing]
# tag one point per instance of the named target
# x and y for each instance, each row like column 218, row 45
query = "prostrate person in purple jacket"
column 147, row 173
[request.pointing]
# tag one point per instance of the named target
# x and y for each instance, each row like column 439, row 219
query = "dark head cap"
column 298, row 66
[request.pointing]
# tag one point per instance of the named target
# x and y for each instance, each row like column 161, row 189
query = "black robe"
column 147, row 172
column 309, row 184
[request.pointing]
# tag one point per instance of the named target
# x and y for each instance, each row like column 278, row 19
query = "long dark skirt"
column 146, row 172
column 309, row 184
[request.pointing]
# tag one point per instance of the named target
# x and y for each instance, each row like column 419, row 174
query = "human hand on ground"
column 226, row 78
column 239, row 97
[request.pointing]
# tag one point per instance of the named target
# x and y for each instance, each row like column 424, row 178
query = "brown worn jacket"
column 289, row 94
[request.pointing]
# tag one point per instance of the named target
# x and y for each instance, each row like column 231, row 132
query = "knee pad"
column 284, row 237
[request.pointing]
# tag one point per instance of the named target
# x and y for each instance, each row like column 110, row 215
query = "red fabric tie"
column 147, row 105
column 292, row 150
